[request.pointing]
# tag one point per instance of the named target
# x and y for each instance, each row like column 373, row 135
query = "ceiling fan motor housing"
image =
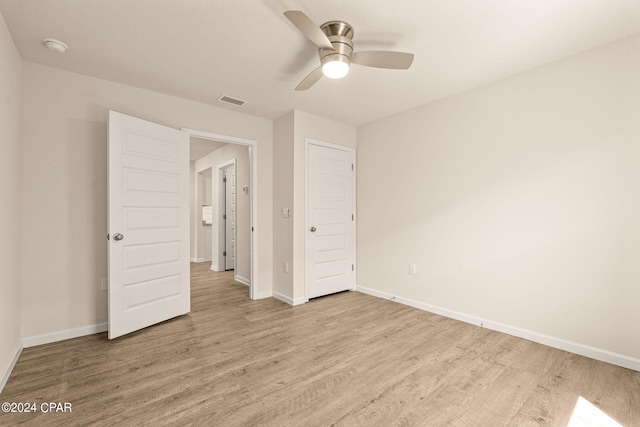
column 340, row 34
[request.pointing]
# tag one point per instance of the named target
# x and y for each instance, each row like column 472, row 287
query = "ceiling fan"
column 334, row 40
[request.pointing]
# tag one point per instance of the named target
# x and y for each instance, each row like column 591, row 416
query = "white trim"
column 229, row 139
column 197, row 260
column 6, row 372
column 262, row 295
column 253, row 191
column 330, row 145
column 289, row 300
column 215, row 268
column 555, row 342
column 242, row 280
column 311, row 141
column 375, row 293
column 64, row 335
column 355, row 223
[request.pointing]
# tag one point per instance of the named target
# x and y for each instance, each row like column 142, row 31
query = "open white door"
column 148, row 224
column 330, row 210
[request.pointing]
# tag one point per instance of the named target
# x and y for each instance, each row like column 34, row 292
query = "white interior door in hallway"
column 148, row 224
column 229, row 216
column 330, row 220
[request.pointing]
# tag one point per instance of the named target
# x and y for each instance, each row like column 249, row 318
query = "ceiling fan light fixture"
column 335, row 69
column 334, row 40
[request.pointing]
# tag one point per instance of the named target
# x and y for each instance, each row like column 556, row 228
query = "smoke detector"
column 55, row 45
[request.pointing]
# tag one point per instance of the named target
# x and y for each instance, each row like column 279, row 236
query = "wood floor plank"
column 348, row 359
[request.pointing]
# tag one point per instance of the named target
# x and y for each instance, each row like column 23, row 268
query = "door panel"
column 330, row 213
column 149, row 207
column 230, row 211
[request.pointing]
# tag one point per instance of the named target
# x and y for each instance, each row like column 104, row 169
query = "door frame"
column 252, row 146
column 307, row 222
column 222, row 262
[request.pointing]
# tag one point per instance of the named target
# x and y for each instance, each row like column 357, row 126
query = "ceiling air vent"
column 230, row 100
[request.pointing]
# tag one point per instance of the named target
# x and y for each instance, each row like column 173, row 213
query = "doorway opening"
column 204, row 220
column 223, row 201
column 228, row 221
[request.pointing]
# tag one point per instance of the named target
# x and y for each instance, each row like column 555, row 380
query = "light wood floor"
column 346, row 360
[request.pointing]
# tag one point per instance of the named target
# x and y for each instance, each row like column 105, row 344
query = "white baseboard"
column 6, row 371
column 242, row 280
column 559, row 343
column 262, row 295
column 197, row 260
column 64, row 335
column 283, row 298
column 300, row 301
column 215, row 268
column 289, row 300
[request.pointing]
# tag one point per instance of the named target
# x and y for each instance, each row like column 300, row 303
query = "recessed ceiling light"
column 55, row 45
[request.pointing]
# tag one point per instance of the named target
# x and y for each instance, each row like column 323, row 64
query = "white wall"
column 519, row 202
column 283, row 198
column 197, row 239
column 315, row 127
column 203, row 234
column 64, row 137
column 213, row 160
column 10, row 105
column 202, row 183
column 290, row 134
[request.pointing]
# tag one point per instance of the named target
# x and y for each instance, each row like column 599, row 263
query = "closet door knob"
column 117, row 237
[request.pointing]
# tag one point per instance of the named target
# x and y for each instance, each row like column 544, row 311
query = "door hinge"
column 353, row 218
column 353, row 267
column 224, row 179
column 224, row 253
column 107, row 237
column 224, row 216
column 352, row 166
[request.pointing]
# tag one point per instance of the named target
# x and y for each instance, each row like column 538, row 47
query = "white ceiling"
column 202, row 49
column 198, row 147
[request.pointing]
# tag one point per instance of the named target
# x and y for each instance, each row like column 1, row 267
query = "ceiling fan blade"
column 383, row 59
column 308, row 28
column 310, row 80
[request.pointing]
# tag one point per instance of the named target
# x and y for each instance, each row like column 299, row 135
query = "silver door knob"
column 117, row 237
column 312, row 229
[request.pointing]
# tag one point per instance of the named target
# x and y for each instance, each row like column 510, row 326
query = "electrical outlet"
column 104, row 284
column 412, row 269
column 285, row 267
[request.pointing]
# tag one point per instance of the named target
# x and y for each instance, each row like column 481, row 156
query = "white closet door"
column 331, row 254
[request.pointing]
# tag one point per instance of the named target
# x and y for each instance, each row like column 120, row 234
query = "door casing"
column 253, row 196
